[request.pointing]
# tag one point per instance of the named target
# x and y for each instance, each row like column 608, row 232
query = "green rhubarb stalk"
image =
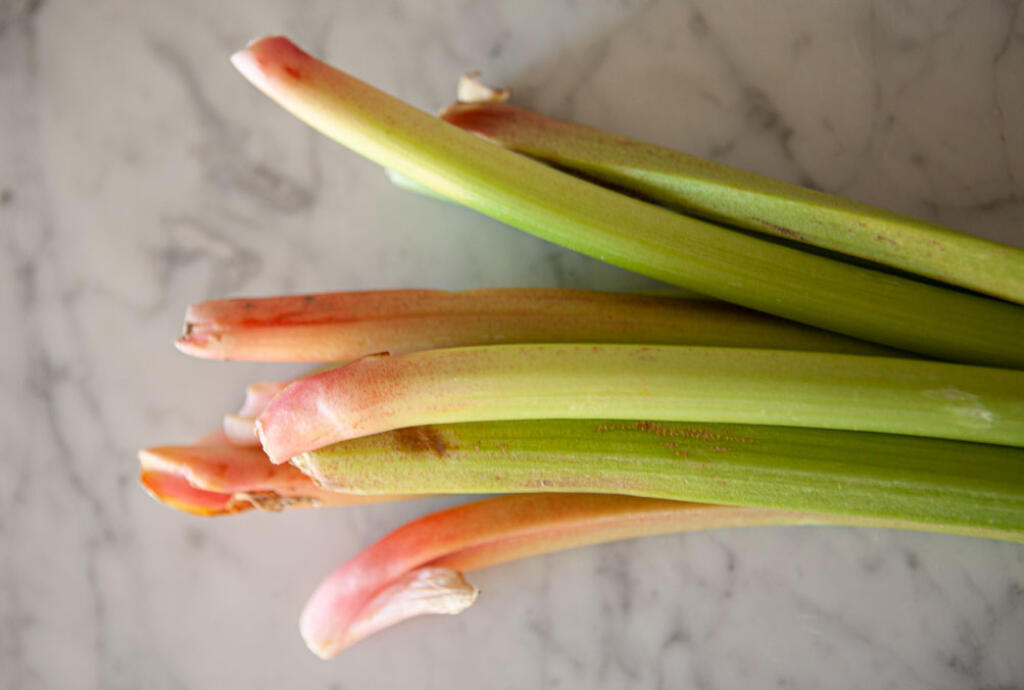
column 966, row 488
column 747, row 200
column 645, row 382
column 418, row 568
column 344, row 326
column 684, row 251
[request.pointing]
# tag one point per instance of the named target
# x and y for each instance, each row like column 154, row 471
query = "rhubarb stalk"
column 372, row 589
column 657, row 242
column 216, row 477
column 659, row 383
column 966, row 488
column 345, row 326
column 721, row 193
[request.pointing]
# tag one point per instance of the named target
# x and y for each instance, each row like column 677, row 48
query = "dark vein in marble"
column 1012, row 34
column 240, row 266
column 18, row 13
column 677, row 641
column 758, row 107
column 49, row 380
column 845, row 630
column 222, row 154
column 617, row 592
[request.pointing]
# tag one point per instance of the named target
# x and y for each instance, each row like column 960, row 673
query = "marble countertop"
column 139, row 173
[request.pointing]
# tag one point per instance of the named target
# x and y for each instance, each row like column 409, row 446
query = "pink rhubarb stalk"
column 343, row 326
column 418, row 568
column 216, row 477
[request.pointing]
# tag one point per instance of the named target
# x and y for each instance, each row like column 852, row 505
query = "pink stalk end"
column 259, row 70
column 175, row 491
column 347, row 606
column 419, row 592
column 216, row 477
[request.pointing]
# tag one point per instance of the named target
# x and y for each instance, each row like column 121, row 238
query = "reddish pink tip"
column 266, row 59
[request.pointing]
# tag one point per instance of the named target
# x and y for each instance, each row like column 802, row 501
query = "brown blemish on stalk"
column 782, row 230
column 274, row 502
column 421, row 439
column 643, row 354
column 697, row 433
column 676, row 449
column 883, row 238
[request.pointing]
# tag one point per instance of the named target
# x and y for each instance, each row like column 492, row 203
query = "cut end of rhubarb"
column 216, row 477
column 419, row 592
column 270, row 59
column 197, row 341
column 261, row 436
column 175, row 491
column 240, row 430
column 197, row 336
column 245, row 62
column 471, row 89
column 192, row 346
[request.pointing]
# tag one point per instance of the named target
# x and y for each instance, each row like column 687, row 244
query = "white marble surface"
column 139, row 173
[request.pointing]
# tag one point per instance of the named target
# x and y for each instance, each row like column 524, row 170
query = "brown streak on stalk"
column 782, row 230
column 274, row 502
column 676, row 449
column 603, row 483
column 697, row 433
column 421, row 439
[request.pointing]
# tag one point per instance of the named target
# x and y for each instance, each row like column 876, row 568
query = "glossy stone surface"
column 139, row 172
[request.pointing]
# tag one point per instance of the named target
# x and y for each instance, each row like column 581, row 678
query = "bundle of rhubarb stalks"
column 847, row 366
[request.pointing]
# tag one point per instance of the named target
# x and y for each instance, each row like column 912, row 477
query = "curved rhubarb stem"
column 684, row 251
column 343, row 326
column 372, row 589
column 661, row 383
column 947, row 484
column 216, row 477
column 747, row 200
